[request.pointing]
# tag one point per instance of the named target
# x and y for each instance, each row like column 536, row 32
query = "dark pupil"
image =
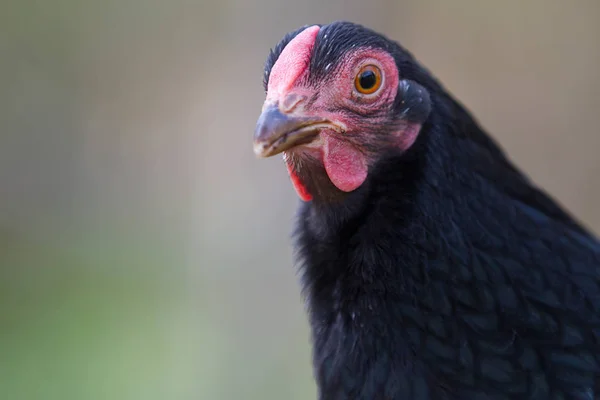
column 367, row 79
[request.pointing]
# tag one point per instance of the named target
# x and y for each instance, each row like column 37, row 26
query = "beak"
column 276, row 131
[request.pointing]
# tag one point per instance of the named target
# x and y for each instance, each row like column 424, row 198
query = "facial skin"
column 331, row 124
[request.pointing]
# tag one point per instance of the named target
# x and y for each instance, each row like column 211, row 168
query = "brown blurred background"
column 144, row 251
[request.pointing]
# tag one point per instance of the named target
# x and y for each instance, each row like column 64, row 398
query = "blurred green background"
column 145, row 252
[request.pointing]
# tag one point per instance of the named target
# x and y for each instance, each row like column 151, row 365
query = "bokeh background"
column 144, row 251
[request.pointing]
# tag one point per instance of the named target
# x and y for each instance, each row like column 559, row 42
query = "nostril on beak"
column 290, row 102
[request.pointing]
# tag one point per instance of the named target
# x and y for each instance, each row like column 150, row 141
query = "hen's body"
column 447, row 275
column 429, row 286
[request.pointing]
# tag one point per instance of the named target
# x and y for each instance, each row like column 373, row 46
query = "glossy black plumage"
column 447, row 274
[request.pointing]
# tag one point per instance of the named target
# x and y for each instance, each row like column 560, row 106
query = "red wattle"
column 345, row 165
column 298, row 185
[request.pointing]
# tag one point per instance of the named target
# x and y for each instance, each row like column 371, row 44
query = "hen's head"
column 338, row 97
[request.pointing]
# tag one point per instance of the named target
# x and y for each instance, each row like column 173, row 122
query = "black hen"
column 433, row 269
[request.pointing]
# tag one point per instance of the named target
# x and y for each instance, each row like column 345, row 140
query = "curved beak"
column 277, row 131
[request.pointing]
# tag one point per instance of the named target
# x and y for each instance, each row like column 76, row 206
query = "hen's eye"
column 368, row 79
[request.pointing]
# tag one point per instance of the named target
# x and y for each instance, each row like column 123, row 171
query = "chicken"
column 432, row 267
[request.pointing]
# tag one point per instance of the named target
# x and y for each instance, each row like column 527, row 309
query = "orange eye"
column 368, row 79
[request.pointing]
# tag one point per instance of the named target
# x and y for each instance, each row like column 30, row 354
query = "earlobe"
column 415, row 102
column 408, row 135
